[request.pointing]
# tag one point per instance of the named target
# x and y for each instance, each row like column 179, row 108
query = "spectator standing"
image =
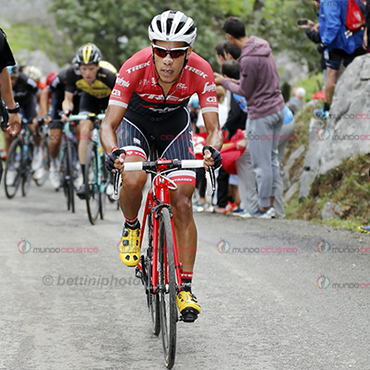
column 339, row 47
column 259, row 84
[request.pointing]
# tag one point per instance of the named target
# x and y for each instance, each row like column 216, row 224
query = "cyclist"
column 96, row 84
column 150, row 102
column 9, row 117
column 25, row 91
column 56, row 88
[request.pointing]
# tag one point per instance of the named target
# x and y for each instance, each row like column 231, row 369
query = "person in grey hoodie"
column 259, row 84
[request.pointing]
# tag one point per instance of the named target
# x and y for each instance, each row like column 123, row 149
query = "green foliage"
column 119, row 27
column 34, row 37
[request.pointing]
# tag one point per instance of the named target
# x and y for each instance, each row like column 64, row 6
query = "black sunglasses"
column 174, row 53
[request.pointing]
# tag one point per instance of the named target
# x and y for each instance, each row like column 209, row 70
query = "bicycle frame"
column 159, row 197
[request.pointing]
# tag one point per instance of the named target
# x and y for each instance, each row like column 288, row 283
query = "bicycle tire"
column 167, row 301
column 103, row 185
column 46, row 163
column 26, row 179
column 69, row 178
column 92, row 186
column 63, row 172
column 13, row 164
column 152, row 299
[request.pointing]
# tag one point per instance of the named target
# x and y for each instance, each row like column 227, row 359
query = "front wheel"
column 92, row 183
column 167, row 288
column 13, row 168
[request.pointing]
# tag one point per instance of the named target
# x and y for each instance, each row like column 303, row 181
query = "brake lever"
column 116, row 184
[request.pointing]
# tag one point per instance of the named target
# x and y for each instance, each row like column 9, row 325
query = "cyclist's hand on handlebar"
column 65, row 114
column 115, row 159
column 212, row 157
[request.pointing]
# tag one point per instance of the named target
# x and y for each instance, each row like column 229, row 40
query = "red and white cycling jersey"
column 137, row 87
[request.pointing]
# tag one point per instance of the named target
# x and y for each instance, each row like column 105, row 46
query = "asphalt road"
column 270, row 300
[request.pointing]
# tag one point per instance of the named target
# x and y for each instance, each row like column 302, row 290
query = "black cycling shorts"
column 173, row 139
column 91, row 104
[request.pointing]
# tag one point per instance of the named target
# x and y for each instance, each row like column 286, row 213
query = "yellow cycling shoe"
column 188, row 306
column 129, row 249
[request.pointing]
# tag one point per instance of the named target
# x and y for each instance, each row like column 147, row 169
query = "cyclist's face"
column 89, row 72
column 169, row 68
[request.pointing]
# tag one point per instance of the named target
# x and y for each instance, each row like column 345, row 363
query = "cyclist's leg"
column 88, row 104
column 132, row 139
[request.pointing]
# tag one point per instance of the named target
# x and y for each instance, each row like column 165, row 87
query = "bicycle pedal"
column 189, row 315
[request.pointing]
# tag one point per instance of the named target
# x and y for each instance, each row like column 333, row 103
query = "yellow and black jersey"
column 100, row 88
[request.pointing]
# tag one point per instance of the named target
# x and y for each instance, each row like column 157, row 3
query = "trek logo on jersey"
column 196, row 71
column 182, row 86
column 160, row 97
column 208, row 88
column 122, row 82
column 116, row 92
column 163, row 110
column 138, row 67
column 212, row 99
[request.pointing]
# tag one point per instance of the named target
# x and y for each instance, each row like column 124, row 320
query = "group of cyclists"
column 148, row 98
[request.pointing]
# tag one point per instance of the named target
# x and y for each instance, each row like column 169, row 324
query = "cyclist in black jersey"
column 25, row 91
column 9, row 117
column 96, row 84
column 51, row 99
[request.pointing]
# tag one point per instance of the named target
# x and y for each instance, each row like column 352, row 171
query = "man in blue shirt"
column 338, row 44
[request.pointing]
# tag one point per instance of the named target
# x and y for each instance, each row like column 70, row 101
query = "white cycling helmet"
column 172, row 26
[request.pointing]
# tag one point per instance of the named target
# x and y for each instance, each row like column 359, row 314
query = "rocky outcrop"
column 347, row 131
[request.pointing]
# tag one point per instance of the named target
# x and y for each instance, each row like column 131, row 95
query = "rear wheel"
column 13, row 169
column 168, row 289
column 92, row 183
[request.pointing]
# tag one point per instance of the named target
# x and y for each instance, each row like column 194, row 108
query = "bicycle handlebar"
column 81, row 117
column 160, row 165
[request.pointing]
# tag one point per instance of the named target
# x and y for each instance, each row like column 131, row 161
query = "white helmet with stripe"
column 172, row 26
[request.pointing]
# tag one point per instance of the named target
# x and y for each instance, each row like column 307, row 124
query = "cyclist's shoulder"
column 198, row 67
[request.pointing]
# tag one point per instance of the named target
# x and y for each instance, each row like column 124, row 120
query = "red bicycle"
column 159, row 267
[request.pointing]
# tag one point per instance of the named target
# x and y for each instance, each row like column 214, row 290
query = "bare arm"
column 213, row 138
column 68, row 101
column 113, row 118
column 44, row 102
column 7, row 95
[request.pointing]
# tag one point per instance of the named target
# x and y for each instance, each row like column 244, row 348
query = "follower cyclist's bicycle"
column 159, row 268
column 68, row 162
column 19, row 170
column 96, row 175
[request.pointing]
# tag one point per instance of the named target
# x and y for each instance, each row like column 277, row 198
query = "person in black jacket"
column 9, row 117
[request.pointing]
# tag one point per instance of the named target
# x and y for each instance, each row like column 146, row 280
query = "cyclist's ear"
column 187, row 55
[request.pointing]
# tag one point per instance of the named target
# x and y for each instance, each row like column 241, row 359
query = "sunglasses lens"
column 173, row 53
column 177, row 53
column 160, row 52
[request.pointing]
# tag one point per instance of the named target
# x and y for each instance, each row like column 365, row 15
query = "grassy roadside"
column 347, row 185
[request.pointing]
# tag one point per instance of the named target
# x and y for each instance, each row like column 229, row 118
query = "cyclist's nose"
column 167, row 59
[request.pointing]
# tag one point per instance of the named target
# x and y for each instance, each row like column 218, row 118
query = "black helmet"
column 88, row 54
